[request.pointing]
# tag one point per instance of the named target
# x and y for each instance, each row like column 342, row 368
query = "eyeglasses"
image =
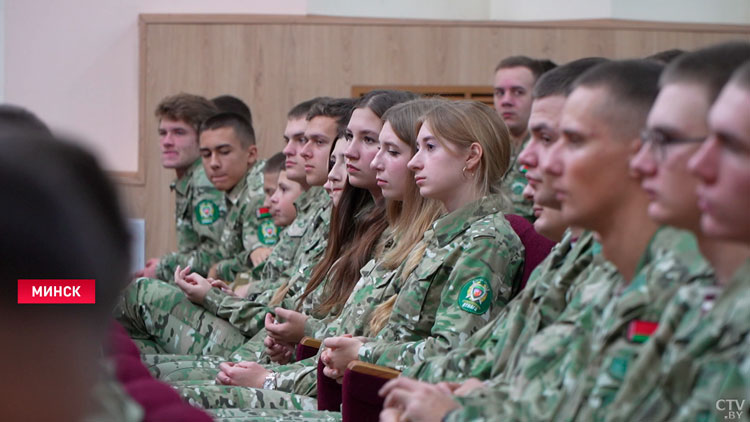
column 660, row 140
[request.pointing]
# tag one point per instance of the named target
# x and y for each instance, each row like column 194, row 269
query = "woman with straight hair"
column 349, row 248
column 368, row 307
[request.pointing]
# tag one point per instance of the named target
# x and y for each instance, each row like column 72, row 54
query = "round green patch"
column 268, row 233
column 206, row 212
column 475, row 296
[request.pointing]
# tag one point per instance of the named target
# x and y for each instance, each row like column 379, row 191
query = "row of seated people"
column 419, row 223
column 416, row 264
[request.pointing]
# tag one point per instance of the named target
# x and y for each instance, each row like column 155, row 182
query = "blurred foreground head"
column 60, row 220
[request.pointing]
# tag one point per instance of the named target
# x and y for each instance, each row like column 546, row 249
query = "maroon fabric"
column 159, row 401
column 536, row 246
column 329, row 391
column 361, row 401
column 130, row 369
column 304, row 352
column 120, row 342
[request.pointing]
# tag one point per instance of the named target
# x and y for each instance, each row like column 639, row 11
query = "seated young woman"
column 467, row 263
column 349, row 247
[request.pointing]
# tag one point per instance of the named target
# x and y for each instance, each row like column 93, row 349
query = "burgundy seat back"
column 329, row 391
column 360, row 398
column 536, row 246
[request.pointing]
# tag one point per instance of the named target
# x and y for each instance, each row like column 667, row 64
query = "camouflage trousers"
column 272, row 415
column 169, row 367
column 159, row 317
column 209, row 395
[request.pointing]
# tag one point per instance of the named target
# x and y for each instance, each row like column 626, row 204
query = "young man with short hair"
column 601, row 118
column 515, row 77
column 691, row 363
column 199, row 208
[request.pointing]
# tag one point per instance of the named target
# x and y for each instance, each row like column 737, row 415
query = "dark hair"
column 537, row 66
column 559, row 80
column 710, row 67
column 233, row 105
column 17, row 121
column 330, row 154
column 275, row 164
column 339, row 109
column 380, row 100
column 632, row 86
column 65, row 221
column 239, row 124
column 741, row 76
column 188, row 108
column 665, row 57
column 350, row 247
column 300, row 110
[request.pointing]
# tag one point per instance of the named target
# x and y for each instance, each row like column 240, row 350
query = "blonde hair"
column 461, row 123
column 409, row 219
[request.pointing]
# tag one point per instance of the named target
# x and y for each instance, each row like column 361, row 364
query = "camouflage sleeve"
column 481, row 405
column 478, row 286
column 245, row 315
column 199, row 259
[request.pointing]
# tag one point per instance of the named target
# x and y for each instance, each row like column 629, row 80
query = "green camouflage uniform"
column 199, row 213
column 468, row 273
column 299, row 378
column 161, row 314
column 486, row 354
column 514, row 181
column 470, row 270
column 699, row 355
column 244, row 229
column 276, row 268
column 588, row 350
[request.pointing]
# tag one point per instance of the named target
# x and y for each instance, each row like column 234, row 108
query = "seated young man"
column 227, row 145
column 199, row 206
column 600, row 126
column 205, row 320
column 693, row 367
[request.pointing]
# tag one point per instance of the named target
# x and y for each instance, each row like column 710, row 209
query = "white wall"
column 75, row 62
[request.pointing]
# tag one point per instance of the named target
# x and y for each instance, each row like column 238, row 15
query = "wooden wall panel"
column 275, row 62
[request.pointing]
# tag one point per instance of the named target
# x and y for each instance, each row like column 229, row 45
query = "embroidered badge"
column 206, row 212
column 268, row 234
column 475, row 296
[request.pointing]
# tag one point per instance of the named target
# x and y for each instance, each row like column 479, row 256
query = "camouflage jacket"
column 485, row 354
column 283, row 257
column 244, row 229
column 514, row 181
column 248, row 314
column 698, row 360
column 588, row 350
column 373, row 288
column 199, row 215
column 470, row 270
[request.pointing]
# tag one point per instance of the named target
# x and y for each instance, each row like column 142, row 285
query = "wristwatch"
column 270, row 382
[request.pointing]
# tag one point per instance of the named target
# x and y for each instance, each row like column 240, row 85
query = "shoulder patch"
column 268, row 233
column 206, row 212
column 475, row 296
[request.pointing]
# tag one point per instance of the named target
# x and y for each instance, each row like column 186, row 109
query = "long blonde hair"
column 409, row 219
column 462, row 123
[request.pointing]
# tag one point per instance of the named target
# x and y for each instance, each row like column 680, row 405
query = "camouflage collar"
column 237, row 191
column 311, row 196
column 181, row 185
column 449, row 226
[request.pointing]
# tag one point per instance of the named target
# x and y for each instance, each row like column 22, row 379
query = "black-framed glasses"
column 660, row 140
